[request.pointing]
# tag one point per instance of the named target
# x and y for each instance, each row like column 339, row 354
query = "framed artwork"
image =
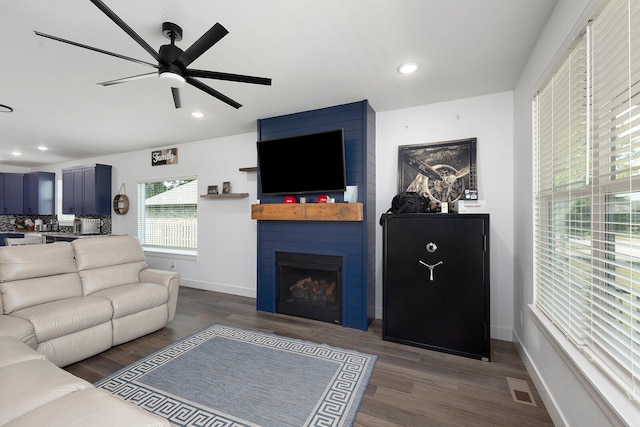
column 212, row 189
column 442, row 171
column 226, row 187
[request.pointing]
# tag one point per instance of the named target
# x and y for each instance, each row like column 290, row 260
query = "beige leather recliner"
column 70, row 301
column 34, row 392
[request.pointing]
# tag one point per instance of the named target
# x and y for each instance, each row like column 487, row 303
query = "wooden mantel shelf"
column 308, row 212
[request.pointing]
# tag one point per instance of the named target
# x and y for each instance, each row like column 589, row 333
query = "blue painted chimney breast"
column 353, row 241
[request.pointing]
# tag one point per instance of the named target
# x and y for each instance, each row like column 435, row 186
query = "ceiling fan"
column 172, row 61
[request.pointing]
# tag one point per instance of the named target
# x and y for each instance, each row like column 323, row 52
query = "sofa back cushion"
column 105, row 262
column 36, row 274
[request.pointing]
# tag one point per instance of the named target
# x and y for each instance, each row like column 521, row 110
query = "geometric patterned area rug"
column 226, row 376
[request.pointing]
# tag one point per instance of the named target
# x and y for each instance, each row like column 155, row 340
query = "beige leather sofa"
column 34, row 393
column 70, row 301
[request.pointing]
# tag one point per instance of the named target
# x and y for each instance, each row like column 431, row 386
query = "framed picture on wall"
column 442, row 171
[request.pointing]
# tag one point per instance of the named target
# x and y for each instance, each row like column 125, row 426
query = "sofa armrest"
column 170, row 279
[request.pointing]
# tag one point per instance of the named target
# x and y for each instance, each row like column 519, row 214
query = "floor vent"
column 520, row 391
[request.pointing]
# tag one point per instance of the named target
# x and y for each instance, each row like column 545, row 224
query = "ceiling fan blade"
column 230, row 77
column 203, row 87
column 95, row 49
column 201, row 45
column 176, row 97
column 128, row 79
column 127, row 29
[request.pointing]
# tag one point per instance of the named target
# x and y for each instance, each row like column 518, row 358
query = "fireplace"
column 309, row 286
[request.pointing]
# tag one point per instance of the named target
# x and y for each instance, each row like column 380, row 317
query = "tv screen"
column 303, row 164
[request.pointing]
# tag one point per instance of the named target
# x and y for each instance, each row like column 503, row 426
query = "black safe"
column 436, row 282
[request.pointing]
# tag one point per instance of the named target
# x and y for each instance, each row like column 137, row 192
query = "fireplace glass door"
column 309, row 286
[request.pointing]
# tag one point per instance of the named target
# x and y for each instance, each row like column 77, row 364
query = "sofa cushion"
column 89, row 407
column 12, row 350
column 97, row 279
column 58, row 318
column 30, row 261
column 20, row 294
column 100, row 252
column 133, row 298
column 72, row 348
column 21, row 329
column 27, row 385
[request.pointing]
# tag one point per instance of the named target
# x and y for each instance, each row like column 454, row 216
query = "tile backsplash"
column 7, row 222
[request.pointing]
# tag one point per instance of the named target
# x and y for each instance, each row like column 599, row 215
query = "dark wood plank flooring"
column 409, row 387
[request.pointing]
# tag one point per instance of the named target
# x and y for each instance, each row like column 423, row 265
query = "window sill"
column 188, row 254
column 614, row 402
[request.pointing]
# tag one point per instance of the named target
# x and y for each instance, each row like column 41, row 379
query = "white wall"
column 568, row 395
column 490, row 119
column 226, row 260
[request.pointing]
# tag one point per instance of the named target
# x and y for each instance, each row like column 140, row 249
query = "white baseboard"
column 549, row 403
column 218, row 287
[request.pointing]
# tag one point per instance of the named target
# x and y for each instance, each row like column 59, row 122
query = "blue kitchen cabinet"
column 11, row 197
column 39, row 193
column 86, row 190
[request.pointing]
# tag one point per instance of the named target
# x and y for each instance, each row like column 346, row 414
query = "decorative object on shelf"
column 121, row 201
column 323, row 198
column 212, row 189
column 168, row 156
column 442, row 171
column 290, row 199
column 226, row 187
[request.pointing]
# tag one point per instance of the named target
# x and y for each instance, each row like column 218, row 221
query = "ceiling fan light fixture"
column 172, row 79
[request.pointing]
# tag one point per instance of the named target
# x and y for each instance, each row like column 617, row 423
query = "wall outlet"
column 172, row 266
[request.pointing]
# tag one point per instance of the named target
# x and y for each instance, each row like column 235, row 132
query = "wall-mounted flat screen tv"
column 313, row 163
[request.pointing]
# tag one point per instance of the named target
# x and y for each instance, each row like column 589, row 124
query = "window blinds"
column 587, row 210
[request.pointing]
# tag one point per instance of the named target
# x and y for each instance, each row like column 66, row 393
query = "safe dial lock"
column 431, row 247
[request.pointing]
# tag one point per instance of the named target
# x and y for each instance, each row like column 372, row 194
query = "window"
column 167, row 213
column 587, row 194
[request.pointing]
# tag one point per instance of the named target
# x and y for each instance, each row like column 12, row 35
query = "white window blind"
column 587, row 210
column 168, row 213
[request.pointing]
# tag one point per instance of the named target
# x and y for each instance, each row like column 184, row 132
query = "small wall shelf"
column 308, row 212
column 251, row 169
column 225, row 196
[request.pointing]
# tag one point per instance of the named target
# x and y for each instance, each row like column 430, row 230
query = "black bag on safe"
column 409, row 202
column 406, row 202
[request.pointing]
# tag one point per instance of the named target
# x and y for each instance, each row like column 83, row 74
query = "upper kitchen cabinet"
column 39, row 193
column 11, row 197
column 86, row 190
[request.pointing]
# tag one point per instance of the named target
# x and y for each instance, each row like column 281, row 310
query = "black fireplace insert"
column 309, row 286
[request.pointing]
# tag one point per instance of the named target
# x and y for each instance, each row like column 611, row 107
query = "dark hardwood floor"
column 409, row 387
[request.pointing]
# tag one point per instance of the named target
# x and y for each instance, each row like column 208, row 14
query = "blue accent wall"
column 353, row 241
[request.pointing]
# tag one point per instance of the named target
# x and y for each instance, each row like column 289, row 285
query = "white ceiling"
column 319, row 53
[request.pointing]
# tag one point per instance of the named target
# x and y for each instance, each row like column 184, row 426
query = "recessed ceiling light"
column 42, row 148
column 408, row 68
column 16, row 153
column 197, row 114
